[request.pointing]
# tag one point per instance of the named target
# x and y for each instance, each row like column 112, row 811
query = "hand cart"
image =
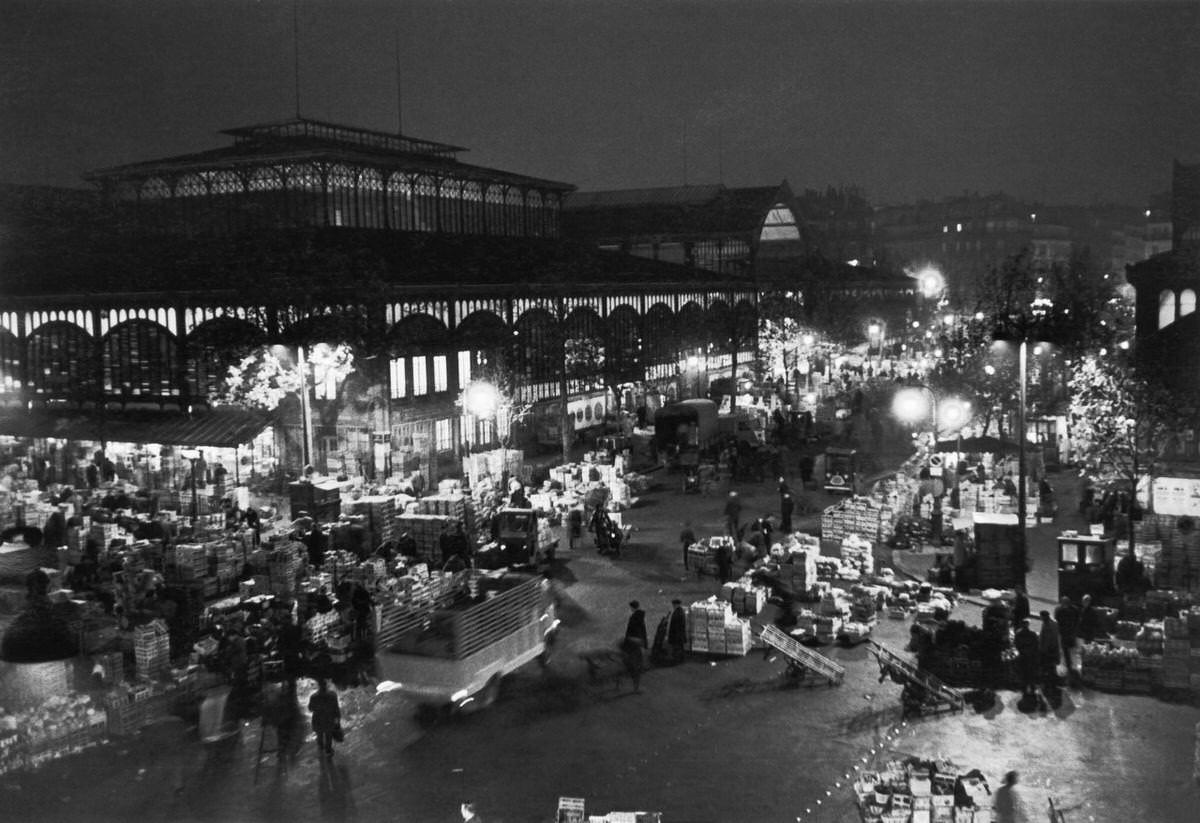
column 922, row 693
column 802, row 660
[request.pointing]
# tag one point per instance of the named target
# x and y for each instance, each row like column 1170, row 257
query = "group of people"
column 670, row 640
column 1045, row 658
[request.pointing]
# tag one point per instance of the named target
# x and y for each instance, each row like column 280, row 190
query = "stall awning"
column 215, row 427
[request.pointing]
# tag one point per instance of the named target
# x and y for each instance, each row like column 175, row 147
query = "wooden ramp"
column 801, row 658
column 930, row 692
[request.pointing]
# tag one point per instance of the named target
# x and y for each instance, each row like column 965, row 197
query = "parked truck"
column 688, row 424
column 451, row 653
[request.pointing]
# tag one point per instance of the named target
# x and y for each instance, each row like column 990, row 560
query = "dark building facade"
column 302, row 233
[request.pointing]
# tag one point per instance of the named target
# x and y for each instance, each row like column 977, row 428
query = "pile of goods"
column 703, row 552
column 1146, row 657
column 864, row 516
column 745, row 598
column 713, row 628
column 59, row 726
column 923, row 791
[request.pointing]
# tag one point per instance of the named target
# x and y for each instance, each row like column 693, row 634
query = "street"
column 708, row 740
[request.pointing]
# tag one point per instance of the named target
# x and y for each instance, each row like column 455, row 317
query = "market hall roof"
column 678, row 211
column 300, row 139
column 220, row 427
column 331, row 260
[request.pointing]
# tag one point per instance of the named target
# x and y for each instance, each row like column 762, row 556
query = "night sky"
column 1060, row 102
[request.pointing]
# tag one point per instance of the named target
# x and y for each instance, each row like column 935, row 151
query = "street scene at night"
column 599, row 412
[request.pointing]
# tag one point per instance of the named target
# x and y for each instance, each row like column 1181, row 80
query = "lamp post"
column 193, row 457
column 482, row 400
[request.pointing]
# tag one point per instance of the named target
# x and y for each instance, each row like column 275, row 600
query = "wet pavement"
column 728, row 739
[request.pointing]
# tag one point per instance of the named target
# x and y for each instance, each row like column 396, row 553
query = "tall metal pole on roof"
column 684, row 144
column 296, row 52
column 399, row 90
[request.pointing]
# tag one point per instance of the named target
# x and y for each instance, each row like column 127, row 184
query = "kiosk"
column 1085, row 566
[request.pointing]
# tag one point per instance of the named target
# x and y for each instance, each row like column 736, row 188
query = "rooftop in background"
column 301, row 138
column 671, row 211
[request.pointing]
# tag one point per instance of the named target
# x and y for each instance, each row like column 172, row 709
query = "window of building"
column 1166, row 308
column 441, row 381
column 399, row 384
column 1187, row 302
column 464, row 369
column 780, row 224
column 443, row 435
column 420, row 376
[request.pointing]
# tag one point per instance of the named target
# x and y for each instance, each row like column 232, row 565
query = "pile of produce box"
column 857, row 555
column 920, row 791
column 152, row 649
column 713, row 628
column 427, row 531
column 744, row 598
column 60, row 726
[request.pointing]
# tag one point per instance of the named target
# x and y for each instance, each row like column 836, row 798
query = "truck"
column 688, row 424
column 450, row 654
column 742, row 427
column 841, row 470
column 519, row 538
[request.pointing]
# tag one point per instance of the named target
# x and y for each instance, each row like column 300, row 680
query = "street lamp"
column 193, row 457
column 482, row 401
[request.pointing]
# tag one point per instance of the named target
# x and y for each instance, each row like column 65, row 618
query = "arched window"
column 1166, row 308
column 1187, row 302
column 155, row 189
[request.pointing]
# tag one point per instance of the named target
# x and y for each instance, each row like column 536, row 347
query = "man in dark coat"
column 677, row 630
column 1089, row 620
column 326, row 717
column 786, row 506
column 687, row 536
column 733, row 515
column 1020, row 609
column 1026, row 642
column 635, row 628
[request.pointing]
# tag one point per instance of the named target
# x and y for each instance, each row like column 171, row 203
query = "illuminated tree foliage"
column 262, row 380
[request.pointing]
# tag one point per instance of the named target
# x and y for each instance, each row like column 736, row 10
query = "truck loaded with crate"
column 451, row 651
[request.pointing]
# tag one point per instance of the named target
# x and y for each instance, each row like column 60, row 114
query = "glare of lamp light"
column 911, row 405
column 481, row 399
column 989, row 369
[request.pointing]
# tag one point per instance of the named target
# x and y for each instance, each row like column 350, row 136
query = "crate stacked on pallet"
column 104, row 533
column 189, row 560
column 380, row 513
column 856, row 553
column 340, row 564
column 713, row 628
column 317, row 627
column 152, row 649
column 283, row 566
column 427, row 531
column 449, row 505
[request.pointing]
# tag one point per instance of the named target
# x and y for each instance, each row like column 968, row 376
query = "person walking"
column 326, row 717
column 1050, row 653
column 1067, row 618
column 1008, row 804
column 635, row 627
column 786, row 506
column 634, row 644
column 1020, row 609
column 676, row 630
column 733, row 515
column 687, row 536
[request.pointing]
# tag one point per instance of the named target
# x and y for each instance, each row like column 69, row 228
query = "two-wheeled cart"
column 922, row 693
column 802, row 661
